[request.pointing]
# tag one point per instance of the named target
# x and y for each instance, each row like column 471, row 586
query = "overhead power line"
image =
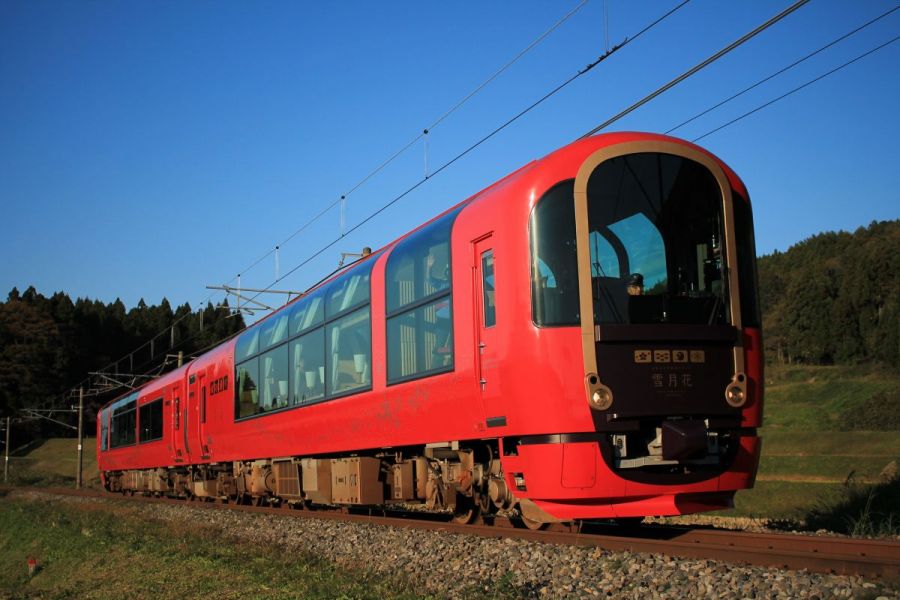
column 746, row 37
column 784, row 69
column 797, row 89
column 478, row 143
column 418, row 137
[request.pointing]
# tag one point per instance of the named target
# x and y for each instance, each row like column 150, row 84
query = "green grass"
column 110, row 551
column 113, row 550
column 820, row 398
column 814, row 442
column 777, row 442
column 782, row 499
column 834, row 469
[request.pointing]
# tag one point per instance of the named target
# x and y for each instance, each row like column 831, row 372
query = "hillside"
column 53, row 462
column 834, row 298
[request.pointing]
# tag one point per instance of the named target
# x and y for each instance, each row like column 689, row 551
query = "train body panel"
column 463, row 342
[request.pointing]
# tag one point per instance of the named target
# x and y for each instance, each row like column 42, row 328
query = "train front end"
column 661, row 284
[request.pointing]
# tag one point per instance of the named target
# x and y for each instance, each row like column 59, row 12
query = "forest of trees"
column 48, row 345
column 834, row 298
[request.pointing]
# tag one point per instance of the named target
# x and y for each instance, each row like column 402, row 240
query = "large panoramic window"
column 419, row 303
column 656, row 245
column 319, row 348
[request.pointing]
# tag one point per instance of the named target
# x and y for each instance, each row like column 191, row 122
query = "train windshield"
column 656, row 245
column 655, row 225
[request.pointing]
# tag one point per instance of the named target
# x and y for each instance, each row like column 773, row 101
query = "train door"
column 199, row 393
column 487, row 349
column 178, row 424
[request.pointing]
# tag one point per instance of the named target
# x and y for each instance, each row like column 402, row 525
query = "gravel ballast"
column 451, row 565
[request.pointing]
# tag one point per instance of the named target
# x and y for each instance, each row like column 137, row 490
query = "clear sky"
column 148, row 149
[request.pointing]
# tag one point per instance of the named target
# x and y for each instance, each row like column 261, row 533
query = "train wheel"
column 466, row 511
column 485, row 504
column 532, row 525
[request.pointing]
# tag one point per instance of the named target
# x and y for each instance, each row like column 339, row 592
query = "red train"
column 579, row 340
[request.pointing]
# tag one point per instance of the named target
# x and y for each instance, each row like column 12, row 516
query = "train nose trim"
column 682, row 440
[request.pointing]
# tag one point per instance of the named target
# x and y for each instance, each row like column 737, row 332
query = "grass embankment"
column 53, row 463
column 829, row 433
column 112, row 551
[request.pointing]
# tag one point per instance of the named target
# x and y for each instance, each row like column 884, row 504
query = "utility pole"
column 80, row 436
column 6, row 456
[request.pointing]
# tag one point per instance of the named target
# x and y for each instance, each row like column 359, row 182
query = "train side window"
column 348, row 353
column 273, row 376
column 307, row 313
column 419, row 303
column 247, row 344
column 746, row 256
column 554, row 259
column 150, row 417
column 487, row 288
column 308, row 367
column 123, row 425
column 203, row 404
column 420, row 341
column 348, row 332
column 348, row 291
column 273, row 331
column 104, row 429
column 246, row 390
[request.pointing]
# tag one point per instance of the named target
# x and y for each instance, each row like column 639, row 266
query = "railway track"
column 875, row 559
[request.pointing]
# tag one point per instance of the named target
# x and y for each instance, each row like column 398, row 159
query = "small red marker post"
column 32, row 566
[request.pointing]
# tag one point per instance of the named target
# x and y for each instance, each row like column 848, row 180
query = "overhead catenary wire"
column 478, row 143
column 440, row 119
column 743, row 39
column 797, row 89
column 424, row 132
column 784, row 69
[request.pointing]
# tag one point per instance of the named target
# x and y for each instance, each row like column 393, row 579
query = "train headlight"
column 601, row 398
column 735, row 395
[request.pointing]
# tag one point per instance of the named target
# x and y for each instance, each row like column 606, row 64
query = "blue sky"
column 148, row 149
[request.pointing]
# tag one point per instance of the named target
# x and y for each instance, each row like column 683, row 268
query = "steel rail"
column 879, row 559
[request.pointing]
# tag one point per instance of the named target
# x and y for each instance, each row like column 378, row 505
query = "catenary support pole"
column 80, row 437
column 6, row 453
